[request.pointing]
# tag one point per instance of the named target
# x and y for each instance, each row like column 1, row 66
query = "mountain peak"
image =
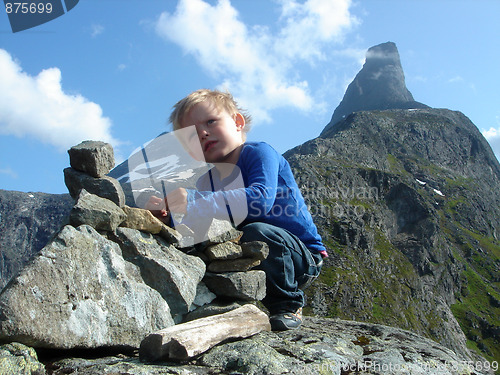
column 379, row 85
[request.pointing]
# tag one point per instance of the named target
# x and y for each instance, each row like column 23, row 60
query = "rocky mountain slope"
column 27, row 221
column 408, row 203
column 113, row 274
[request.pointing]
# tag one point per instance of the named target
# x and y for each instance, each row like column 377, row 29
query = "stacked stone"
column 90, row 162
column 230, row 269
column 100, row 200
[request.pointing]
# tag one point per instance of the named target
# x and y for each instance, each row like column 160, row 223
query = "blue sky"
column 112, row 69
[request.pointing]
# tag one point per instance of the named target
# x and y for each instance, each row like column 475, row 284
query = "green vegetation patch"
column 378, row 289
column 478, row 313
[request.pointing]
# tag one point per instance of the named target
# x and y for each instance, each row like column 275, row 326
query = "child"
column 277, row 213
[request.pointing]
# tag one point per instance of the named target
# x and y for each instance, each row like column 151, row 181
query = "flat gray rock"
column 104, row 187
column 99, row 213
column 245, row 286
column 92, row 157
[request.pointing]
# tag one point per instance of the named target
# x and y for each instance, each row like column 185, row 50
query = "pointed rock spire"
column 379, row 85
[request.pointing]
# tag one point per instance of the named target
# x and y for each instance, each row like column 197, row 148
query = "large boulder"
column 172, row 273
column 79, row 292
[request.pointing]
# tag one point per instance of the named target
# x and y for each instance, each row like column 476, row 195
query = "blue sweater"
column 269, row 188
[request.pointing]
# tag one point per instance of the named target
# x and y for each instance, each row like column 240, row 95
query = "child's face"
column 220, row 134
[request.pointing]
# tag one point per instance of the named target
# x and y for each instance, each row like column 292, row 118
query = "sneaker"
column 286, row 320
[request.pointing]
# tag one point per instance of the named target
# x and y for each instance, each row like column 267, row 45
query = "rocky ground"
column 320, row 346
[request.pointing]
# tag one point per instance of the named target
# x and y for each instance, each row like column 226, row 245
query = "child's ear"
column 239, row 120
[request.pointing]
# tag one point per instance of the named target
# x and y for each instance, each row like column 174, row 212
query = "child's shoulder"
column 258, row 147
column 260, row 152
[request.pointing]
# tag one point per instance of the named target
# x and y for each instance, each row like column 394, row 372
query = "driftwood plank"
column 187, row 340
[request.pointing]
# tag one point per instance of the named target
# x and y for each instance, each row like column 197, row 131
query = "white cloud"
column 311, row 24
column 420, row 78
column 37, row 106
column 96, row 30
column 493, row 137
column 255, row 64
column 455, row 79
column 9, row 172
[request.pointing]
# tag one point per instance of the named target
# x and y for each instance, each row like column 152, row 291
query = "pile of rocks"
column 230, row 264
column 117, row 273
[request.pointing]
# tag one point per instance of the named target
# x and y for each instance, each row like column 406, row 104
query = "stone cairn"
column 116, row 275
column 229, row 263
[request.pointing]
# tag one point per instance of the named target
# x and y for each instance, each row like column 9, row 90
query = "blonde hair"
column 222, row 100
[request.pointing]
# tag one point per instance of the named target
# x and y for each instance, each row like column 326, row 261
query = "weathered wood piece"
column 187, row 340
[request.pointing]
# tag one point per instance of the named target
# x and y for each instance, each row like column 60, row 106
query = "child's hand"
column 158, row 207
column 177, row 201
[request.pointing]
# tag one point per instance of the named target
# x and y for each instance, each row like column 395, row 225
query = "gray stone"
column 259, row 358
column 224, row 251
column 203, row 297
column 104, row 187
column 79, row 292
column 172, row 273
column 234, row 265
column 213, row 308
column 221, row 231
column 246, row 286
column 92, row 157
column 99, row 213
column 255, row 249
column 18, row 359
column 171, row 235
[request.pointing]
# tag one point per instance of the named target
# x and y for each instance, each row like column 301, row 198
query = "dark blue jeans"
column 290, row 266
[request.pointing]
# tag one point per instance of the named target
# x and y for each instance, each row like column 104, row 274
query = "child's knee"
column 254, row 232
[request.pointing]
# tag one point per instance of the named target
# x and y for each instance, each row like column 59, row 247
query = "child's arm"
column 253, row 194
